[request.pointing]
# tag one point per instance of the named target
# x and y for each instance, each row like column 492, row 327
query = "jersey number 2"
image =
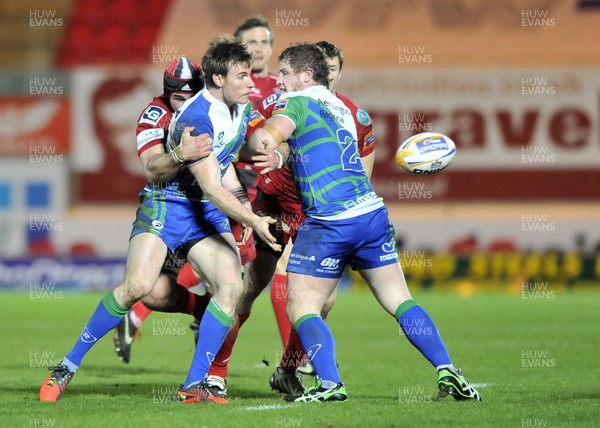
column 350, row 159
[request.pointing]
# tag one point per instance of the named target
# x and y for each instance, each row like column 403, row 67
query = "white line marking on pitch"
column 267, row 407
column 481, row 385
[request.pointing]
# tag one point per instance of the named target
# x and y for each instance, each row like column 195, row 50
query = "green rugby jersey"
column 324, row 157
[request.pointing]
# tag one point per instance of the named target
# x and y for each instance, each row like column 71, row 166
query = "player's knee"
column 134, row 290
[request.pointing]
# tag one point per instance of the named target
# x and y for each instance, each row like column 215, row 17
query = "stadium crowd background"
column 515, row 83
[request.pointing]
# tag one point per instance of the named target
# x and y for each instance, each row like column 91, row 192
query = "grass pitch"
column 534, row 361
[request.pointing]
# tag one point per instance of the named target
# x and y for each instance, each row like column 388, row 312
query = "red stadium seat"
column 502, row 246
column 467, row 245
column 42, row 248
column 82, row 249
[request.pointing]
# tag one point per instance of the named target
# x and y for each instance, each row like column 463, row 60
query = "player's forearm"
column 225, row 201
column 161, row 168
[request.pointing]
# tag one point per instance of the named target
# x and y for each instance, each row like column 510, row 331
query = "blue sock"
column 422, row 333
column 213, row 329
column 319, row 345
column 107, row 316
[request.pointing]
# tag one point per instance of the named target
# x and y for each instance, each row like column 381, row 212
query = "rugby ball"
column 425, row 153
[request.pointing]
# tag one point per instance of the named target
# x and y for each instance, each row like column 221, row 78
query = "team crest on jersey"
column 363, row 117
column 152, row 115
column 279, row 106
column 219, row 140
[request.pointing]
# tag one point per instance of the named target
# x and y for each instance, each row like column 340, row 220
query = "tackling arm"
column 160, row 166
column 276, row 130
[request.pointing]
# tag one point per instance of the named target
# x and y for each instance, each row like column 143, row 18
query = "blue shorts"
column 177, row 221
column 324, row 248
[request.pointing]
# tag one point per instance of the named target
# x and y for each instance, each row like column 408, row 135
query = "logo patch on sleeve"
column 152, row 115
column 363, row 117
column 255, row 118
column 280, row 106
column 369, row 138
column 271, row 99
column 149, row 135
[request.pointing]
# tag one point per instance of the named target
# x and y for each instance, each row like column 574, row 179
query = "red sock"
column 279, row 301
column 187, row 277
column 293, row 352
column 141, row 312
column 221, row 362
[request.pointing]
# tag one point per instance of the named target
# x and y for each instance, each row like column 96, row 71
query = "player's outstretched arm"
column 208, row 176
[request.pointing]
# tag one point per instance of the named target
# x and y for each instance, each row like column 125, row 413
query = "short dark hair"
column 223, row 53
column 331, row 51
column 253, row 22
column 307, row 55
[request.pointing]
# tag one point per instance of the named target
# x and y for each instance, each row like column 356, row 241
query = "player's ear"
column 218, row 80
column 309, row 73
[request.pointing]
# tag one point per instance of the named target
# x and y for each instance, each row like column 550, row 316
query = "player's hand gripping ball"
column 425, row 153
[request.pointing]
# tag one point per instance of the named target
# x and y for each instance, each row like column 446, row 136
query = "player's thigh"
column 388, row 285
column 216, row 259
column 308, row 294
column 145, row 257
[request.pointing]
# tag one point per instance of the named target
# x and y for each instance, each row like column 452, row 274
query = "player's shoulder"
column 361, row 116
column 197, row 107
column 157, row 112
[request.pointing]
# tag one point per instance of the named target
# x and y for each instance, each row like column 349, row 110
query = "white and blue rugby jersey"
column 226, row 128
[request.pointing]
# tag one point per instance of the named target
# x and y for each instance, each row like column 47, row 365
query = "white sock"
column 71, row 366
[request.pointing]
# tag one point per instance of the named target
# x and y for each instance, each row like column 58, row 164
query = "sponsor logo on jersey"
column 330, row 263
column 431, row 145
column 152, row 115
column 149, row 135
column 157, row 224
column 363, row 117
column 369, row 138
column 255, row 118
column 280, row 106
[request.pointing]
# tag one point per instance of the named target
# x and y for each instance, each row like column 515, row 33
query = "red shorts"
column 249, row 176
column 247, row 250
